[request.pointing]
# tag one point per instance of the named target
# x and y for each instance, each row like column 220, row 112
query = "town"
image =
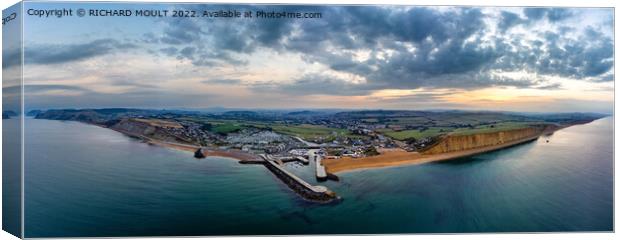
column 337, row 134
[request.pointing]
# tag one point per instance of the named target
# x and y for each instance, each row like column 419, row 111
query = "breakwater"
column 308, row 192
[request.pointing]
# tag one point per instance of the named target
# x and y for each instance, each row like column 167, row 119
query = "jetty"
column 321, row 173
column 320, row 194
column 307, row 191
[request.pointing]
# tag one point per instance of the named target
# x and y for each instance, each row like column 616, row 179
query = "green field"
column 310, row 132
column 435, row 131
column 304, row 131
column 417, row 134
column 491, row 128
column 326, row 134
column 226, row 128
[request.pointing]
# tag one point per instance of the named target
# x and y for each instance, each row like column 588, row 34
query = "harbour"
column 309, row 192
column 312, row 193
column 161, row 191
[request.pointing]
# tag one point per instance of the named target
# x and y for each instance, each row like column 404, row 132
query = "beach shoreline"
column 387, row 158
column 403, row 158
column 208, row 152
column 400, row 157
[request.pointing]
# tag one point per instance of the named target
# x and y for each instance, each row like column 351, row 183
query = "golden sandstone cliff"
column 452, row 143
column 451, row 146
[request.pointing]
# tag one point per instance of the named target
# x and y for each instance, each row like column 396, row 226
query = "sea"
column 87, row 181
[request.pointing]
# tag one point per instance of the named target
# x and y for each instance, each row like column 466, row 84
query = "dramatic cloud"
column 508, row 20
column 312, row 84
column 403, row 48
column 354, row 51
column 553, row 14
column 59, row 53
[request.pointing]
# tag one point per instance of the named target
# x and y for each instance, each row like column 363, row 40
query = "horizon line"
column 198, row 109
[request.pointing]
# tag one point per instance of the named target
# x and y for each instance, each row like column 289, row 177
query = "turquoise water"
column 87, row 181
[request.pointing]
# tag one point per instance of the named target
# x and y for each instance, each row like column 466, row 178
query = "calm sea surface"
column 83, row 180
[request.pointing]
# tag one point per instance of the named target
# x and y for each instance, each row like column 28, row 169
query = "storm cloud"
column 348, row 51
column 406, row 48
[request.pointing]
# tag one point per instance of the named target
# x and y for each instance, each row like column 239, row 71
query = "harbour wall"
column 309, row 192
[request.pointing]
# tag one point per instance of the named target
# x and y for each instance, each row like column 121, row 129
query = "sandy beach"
column 237, row 155
column 387, row 158
column 399, row 157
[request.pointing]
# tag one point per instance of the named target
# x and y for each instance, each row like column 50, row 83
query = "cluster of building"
column 196, row 133
column 260, row 141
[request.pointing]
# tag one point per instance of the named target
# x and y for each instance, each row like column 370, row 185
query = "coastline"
column 388, row 158
column 397, row 158
column 236, row 155
column 404, row 158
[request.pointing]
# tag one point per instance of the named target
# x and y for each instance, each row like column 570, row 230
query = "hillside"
column 152, row 129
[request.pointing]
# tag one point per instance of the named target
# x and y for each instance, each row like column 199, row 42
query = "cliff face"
column 453, row 143
column 148, row 129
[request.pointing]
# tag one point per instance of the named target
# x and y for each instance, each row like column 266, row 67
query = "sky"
column 353, row 57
